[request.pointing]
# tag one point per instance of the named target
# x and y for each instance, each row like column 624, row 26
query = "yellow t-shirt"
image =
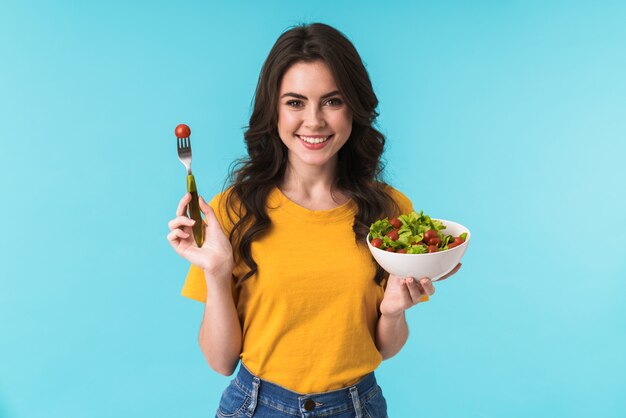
column 309, row 315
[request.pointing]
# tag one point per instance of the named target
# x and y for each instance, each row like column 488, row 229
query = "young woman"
column 289, row 285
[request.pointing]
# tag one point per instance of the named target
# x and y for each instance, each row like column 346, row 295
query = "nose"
column 314, row 118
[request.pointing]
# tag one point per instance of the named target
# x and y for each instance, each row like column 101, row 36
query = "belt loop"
column 354, row 394
column 256, row 382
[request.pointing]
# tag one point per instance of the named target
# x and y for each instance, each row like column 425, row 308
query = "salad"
column 414, row 233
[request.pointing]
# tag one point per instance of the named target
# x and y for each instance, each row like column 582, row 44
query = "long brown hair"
column 360, row 169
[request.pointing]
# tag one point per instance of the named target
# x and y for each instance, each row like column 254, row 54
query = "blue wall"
column 508, row 117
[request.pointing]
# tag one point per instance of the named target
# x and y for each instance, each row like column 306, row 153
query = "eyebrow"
column 299, row 96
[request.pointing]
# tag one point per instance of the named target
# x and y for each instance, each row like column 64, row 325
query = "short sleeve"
column 404, row 203
column 195, row 282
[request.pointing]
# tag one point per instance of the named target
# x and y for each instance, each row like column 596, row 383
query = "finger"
column 454, row 270
column 179, row 221
column 415, row 290
column 209, row 215
column 204, row 207
column 176, row 235
column 427, row 285
column 182, row 205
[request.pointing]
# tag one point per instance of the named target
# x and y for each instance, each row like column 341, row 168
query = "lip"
column 316, row 146
column 314, row 136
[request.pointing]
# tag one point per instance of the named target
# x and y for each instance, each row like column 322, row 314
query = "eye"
column 294, row 103
column 335, row 101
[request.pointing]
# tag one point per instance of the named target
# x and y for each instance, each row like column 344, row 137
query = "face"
column 313, row 120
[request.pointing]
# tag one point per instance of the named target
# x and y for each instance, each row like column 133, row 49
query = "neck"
column 308, row 180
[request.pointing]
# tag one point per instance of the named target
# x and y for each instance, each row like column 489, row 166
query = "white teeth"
column 314, row 140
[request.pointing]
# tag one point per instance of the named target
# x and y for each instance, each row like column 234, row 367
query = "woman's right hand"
column 216, row 254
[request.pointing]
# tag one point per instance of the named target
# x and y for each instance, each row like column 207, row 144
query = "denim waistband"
column 299, row 404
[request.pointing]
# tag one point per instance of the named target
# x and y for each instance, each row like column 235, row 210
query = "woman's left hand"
column 404, row 292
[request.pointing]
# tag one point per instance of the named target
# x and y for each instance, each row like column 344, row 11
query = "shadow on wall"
column 4, row 413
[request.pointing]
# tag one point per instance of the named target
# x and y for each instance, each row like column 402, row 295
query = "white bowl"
column 432, row 265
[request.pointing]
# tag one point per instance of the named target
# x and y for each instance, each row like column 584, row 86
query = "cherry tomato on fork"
column 182, row 131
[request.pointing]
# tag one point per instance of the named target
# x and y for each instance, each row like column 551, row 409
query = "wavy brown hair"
column 360, row 169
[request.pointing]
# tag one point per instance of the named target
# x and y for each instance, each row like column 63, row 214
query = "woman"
column 288, row 282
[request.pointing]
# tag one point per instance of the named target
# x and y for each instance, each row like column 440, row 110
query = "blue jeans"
column 249, row 396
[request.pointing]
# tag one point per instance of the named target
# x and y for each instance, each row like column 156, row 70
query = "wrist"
column 393, row 316
column 223, row 268
column 221, row 276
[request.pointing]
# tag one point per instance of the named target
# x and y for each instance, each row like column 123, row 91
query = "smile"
column 314, row 140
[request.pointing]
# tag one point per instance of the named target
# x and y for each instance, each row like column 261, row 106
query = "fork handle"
column 194, row 211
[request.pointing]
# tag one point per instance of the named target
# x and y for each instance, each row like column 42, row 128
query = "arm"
column 391, row 334
column 220, row 334
column 401, row 293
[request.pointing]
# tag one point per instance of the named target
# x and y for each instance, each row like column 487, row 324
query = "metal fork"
column 184, row 155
